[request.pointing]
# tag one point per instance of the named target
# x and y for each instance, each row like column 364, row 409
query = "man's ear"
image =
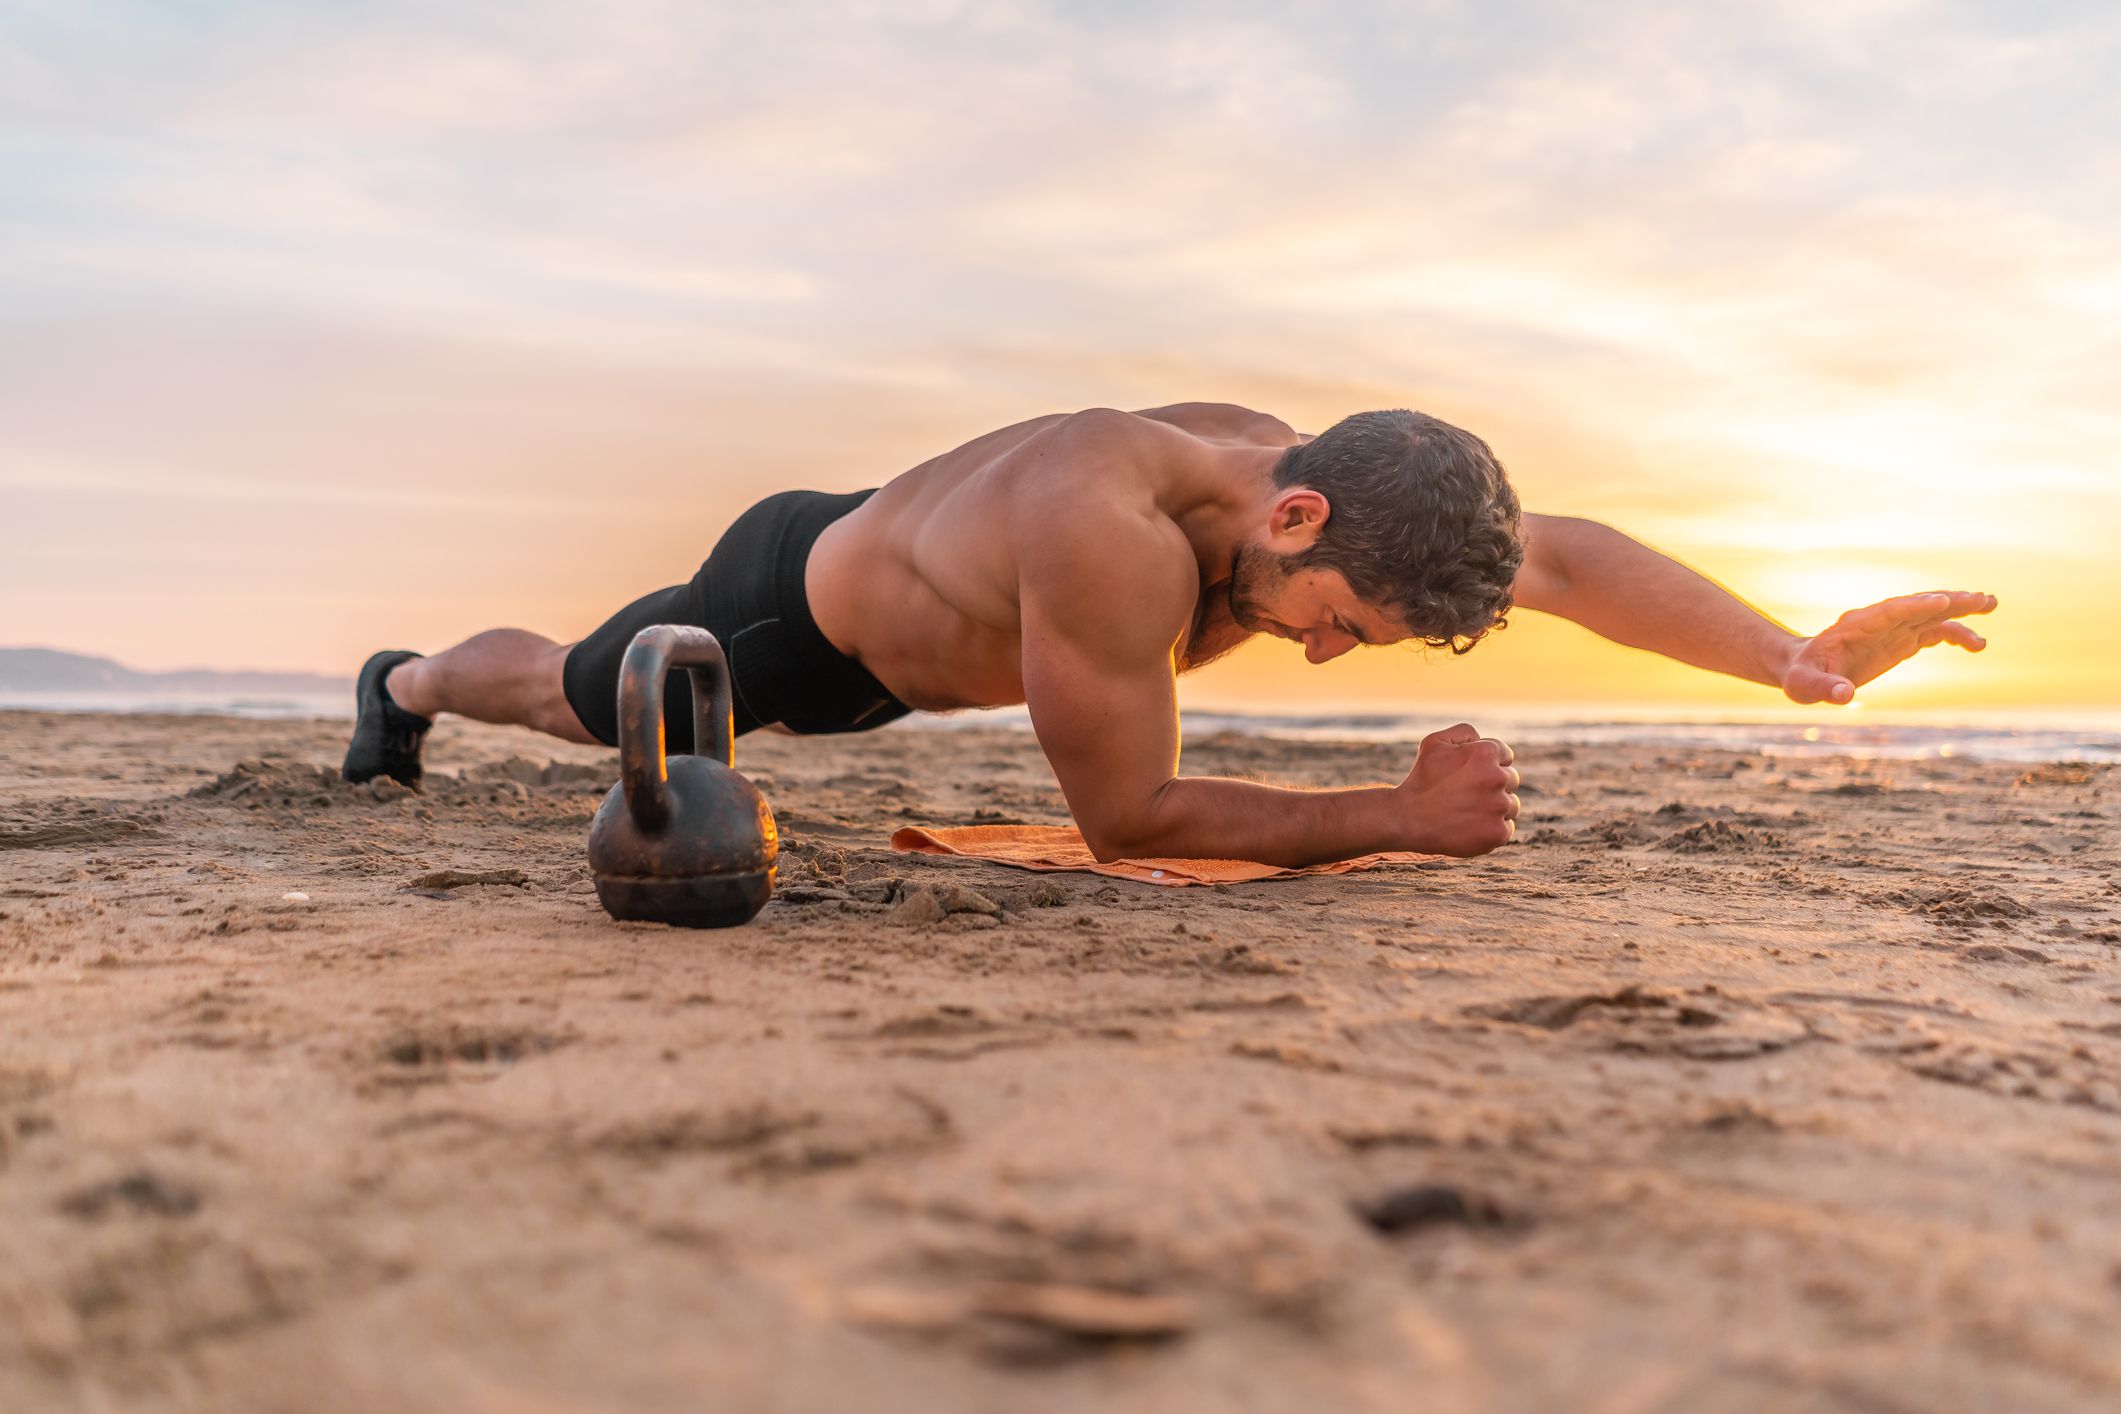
column 1295, row 520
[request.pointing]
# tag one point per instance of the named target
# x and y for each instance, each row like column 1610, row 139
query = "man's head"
column 1387, row 525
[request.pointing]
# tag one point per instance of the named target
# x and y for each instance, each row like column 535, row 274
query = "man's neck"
column 1220, row 506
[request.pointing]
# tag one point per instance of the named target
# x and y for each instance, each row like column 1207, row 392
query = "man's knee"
column 555, row 712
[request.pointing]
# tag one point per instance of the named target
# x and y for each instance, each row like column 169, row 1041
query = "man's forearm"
column 1210, row 817
column 1621, row 589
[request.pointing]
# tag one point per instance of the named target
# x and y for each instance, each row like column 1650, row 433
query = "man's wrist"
column 1390, row 818
column 1780, row 655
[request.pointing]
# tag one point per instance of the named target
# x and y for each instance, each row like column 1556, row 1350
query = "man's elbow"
column 1110, row 843
column 1107, row 850
column 1138, row 833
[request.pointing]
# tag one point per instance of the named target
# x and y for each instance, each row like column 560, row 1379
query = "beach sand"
column 1736, row 1084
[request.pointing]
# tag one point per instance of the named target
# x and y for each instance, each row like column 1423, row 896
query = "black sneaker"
column 386, row 737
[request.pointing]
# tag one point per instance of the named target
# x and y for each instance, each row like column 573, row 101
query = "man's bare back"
column 922, row 583
column 1079, row 562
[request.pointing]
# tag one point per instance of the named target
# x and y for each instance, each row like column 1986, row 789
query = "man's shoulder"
column 1114, row 428
column 1097, row 460
column 1099, row 497
column 1124, row 455
column 1104, row 542
column 1222, row 422
column 1169, row 426
column 1127, row 585
column 1093, row 530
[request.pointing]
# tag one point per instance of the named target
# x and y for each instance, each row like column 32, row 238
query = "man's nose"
column 1323, row 647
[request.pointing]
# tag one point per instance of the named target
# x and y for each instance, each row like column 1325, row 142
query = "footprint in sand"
column 767, row 1138
column 69, row 823
column 1958, row 906
column 432, row 1046
column 141, row 1191
column 1703, row 1025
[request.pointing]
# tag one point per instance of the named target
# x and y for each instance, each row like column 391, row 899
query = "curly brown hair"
column 1424, row 522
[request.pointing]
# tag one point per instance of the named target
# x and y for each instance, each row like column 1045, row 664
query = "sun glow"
column 1808, row 595
column 1827, row 342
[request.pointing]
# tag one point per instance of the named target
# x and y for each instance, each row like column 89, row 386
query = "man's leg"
column 515, row 678
column 506, row 675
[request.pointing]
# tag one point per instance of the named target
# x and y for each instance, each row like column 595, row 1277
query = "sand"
column 1737, row 1084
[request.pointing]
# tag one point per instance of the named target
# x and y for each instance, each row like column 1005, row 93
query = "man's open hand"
column 1863, row 643
column 1460, row 797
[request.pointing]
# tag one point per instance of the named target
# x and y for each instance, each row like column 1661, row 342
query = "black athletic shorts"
column 750, row 596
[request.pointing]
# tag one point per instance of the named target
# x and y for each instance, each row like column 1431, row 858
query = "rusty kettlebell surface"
column 683, row 840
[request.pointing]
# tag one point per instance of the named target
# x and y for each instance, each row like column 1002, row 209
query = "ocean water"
column 2027, row 737
column 1907, row 741
column 338, row 704
column 1994, row 736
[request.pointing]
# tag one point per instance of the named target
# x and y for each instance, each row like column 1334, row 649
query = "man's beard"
column 1253, row 573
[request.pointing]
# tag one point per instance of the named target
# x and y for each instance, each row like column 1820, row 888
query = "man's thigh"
column 589, row 674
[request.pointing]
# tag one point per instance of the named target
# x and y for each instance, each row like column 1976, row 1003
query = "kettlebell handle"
column 649, row 658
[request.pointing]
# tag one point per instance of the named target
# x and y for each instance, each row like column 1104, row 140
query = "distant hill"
column 36, row 671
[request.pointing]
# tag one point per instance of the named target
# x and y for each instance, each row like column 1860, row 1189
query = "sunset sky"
column 330, row 327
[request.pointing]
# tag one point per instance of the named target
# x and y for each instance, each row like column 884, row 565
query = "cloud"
column 1671, row 259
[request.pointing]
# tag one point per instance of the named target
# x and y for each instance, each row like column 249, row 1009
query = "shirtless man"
column 1079, row 562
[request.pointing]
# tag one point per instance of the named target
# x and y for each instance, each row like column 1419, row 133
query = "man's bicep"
column 1099, row 679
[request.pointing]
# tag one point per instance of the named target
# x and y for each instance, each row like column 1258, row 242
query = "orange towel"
column 1062, row 847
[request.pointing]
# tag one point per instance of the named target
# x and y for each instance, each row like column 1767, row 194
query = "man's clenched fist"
column 1461, row 796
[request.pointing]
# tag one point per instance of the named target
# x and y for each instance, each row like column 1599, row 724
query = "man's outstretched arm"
column 1621, row 589
column 1103, row 608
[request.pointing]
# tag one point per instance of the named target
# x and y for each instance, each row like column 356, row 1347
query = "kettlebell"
column 682, row 840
